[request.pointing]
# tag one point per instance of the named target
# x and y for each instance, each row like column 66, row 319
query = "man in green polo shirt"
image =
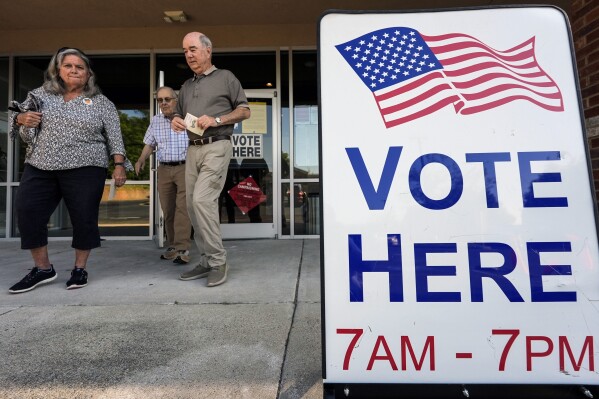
column 210, row 103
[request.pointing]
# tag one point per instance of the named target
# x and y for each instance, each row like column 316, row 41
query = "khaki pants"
column 205, row 175
column 171, row 189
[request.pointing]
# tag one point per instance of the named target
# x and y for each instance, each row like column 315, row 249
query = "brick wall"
column 585, row 29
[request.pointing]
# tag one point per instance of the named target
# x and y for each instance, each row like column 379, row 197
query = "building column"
column 585, row 30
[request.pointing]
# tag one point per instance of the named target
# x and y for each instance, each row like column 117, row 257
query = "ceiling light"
column 174, row 16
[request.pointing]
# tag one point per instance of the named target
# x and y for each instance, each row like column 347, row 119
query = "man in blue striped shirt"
column 171, row 153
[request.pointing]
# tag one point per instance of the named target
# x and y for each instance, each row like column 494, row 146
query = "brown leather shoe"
column 169, row 254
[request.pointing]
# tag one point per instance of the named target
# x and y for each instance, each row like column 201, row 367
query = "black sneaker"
column 78, row 279
column 35, row 277
column 182, row 257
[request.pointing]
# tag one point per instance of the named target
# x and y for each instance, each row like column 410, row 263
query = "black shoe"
column 35, row 277
column 182, row 257
column 78, row 279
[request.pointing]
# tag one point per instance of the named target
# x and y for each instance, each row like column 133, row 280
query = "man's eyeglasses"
column 164, row 100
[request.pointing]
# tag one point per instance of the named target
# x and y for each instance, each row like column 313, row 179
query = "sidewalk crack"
column 8, row 311
column 295, row 302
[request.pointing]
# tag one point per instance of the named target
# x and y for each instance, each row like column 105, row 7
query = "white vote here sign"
column 459, row 235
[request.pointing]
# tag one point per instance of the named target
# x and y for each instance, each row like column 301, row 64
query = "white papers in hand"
column 191, row 124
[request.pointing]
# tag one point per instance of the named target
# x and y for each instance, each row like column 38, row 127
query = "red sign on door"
column 247, row 195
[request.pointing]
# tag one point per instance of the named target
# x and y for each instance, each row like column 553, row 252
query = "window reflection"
column 305, row 159
column 305, row 204
column 125, row 210
column 3, row 191
column 285, row 141
column 134, row 124
column 299, row 159
column 306, row 141
column 254, row 70
column 29, row 74
column 286, row 211
column 125, row 80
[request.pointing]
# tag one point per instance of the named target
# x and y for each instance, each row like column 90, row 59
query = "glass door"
column 248, row 202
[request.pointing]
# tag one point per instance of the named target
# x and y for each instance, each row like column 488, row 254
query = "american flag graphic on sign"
column 412, row 75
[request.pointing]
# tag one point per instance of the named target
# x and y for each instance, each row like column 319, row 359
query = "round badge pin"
column 87, row 101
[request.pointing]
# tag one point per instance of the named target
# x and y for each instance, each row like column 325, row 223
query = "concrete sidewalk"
column 136, row 331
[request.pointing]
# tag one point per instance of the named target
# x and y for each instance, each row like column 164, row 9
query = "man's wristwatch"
column 119, row 164
column 218, row 120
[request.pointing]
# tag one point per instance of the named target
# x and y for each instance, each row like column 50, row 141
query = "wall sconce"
column 174, row 16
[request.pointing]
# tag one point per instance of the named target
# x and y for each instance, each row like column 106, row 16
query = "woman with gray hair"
column 71, row 131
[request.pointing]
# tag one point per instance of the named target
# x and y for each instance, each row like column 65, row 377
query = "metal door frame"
column 158, row 221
